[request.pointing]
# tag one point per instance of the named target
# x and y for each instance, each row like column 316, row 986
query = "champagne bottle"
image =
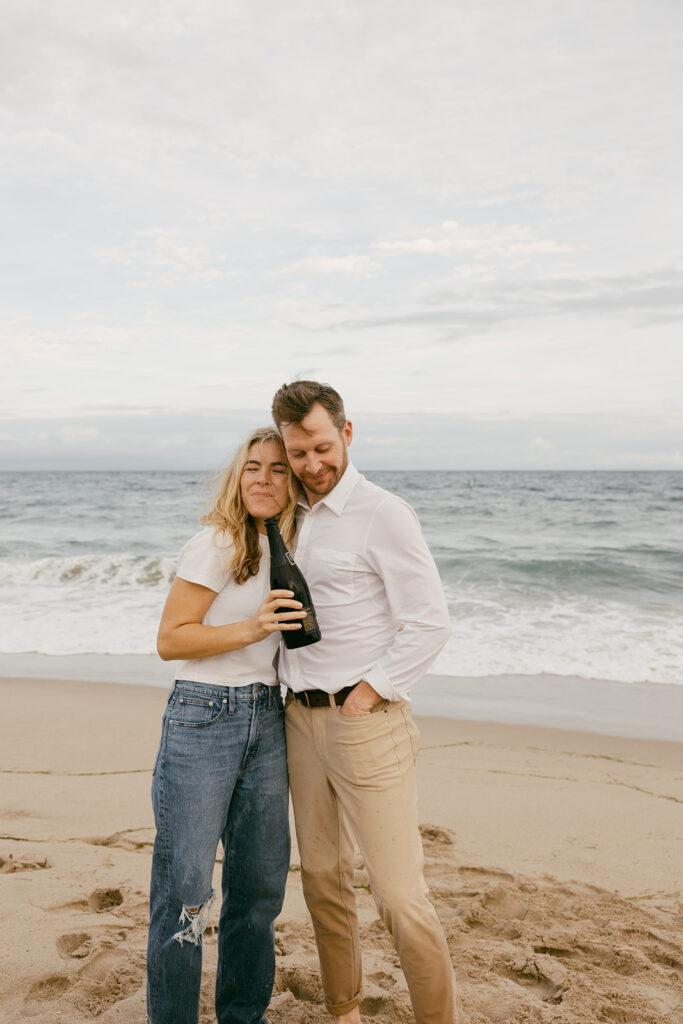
column 285, row 574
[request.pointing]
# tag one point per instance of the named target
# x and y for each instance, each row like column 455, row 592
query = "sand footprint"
column 109, row 975
column 75, row 945
column 658, row 948
column 102, row 900
column 622, row 1009
column 98, row 902
column 620, row 959
column 107, row 978
column 470, row 872
column 496, row 911
column 506, row 903
column 46, row 990
column 303, row 984
column 435, row 835
column 547, row 979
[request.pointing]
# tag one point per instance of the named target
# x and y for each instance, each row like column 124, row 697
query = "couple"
column 222, row 766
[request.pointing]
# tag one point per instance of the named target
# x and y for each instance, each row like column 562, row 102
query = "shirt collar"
column 339, row 495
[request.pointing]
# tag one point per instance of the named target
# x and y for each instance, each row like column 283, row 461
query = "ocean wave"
column 637, row 572
column 111, row 571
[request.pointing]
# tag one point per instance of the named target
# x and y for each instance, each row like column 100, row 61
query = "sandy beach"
column 554, row 858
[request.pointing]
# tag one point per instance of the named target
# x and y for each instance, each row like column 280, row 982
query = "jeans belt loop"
column 231, row 700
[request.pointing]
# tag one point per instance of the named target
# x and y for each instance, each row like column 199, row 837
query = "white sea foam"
column 587, row 637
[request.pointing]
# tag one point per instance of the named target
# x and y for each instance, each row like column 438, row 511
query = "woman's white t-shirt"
column 205, row 559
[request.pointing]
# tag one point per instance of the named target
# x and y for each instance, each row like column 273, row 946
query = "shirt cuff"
column 380, row 682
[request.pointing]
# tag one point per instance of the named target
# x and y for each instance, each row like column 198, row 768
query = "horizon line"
column 364, row 469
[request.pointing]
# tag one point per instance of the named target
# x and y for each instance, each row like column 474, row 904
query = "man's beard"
column 324, row 488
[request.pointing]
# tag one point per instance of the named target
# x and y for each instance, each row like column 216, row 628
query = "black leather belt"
column 321, row 699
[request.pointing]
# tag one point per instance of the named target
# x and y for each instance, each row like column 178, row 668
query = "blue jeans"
column 220, row 774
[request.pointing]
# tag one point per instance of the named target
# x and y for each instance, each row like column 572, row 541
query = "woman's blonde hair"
column 229, row 516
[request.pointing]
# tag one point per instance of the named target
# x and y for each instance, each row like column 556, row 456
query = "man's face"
column 316, row 450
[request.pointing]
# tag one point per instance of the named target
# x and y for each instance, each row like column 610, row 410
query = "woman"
column 221, row 770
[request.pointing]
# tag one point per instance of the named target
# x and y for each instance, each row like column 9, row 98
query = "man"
column 350, row 735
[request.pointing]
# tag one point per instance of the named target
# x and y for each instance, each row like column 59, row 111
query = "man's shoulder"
column 375, row 498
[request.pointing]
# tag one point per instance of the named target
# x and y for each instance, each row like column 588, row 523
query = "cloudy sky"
column 465, row 216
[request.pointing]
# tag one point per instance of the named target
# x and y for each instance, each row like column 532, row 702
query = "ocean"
column 564, row 573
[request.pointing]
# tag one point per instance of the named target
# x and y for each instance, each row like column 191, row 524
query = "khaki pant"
column 357, row 775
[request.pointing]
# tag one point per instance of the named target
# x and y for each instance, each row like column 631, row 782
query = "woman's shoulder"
column 206, row 540
column 206, row 558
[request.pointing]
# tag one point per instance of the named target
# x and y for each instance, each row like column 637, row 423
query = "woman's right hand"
column 272, row 615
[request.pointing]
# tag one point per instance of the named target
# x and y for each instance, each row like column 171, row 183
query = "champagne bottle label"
column 310, row 622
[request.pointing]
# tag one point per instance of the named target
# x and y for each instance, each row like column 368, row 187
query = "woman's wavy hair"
column 229, row 516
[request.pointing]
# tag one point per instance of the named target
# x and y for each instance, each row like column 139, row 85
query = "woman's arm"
column 182, row 633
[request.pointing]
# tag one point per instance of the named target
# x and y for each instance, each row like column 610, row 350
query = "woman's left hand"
column 273, row 614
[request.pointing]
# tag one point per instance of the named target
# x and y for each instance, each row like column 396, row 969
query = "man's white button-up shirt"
column 376, row 590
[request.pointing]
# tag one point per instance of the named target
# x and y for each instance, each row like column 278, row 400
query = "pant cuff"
column 336, row 1009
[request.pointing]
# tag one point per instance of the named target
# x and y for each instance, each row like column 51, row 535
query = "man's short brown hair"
column 293, row 402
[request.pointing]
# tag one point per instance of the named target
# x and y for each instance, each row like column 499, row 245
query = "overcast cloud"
column 465, row 217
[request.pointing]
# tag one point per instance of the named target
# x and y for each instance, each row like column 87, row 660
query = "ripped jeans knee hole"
column 196, row 919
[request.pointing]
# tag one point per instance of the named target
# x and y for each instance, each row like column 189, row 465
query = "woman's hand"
column 182, row 633
column 272, row 615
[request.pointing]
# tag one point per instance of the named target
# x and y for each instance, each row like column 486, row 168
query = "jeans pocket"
column 364, row 717
column 190, row 711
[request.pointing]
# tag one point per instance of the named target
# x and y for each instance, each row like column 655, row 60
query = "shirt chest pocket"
column 336, row 577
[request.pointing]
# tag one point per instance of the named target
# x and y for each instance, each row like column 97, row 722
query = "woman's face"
column 264, row 482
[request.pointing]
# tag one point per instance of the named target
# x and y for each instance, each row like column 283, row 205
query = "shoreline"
column 649, row 711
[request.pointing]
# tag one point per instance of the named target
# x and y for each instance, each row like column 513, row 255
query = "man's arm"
column 397, row 551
